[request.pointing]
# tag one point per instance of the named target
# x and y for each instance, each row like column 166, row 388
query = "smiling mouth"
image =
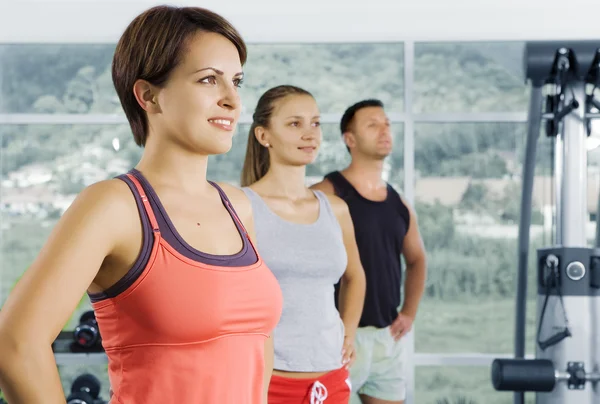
column 221, row 121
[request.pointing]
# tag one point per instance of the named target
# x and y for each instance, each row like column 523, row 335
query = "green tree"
column 474, row 197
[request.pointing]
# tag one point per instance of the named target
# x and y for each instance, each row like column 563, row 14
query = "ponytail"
column 257, row 161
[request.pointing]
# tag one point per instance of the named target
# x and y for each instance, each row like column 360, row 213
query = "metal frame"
column 407, row 117
column 572, row 160
column 396, row 117
column 419, row 359
column 111, row 119
column 409, row 192
column 460, row 359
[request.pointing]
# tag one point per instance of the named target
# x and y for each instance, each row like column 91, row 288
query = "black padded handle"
column 523, row 375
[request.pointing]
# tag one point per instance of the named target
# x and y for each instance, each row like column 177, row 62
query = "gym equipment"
column 86, row 335
column 85, row 338
column 85, row 390
column 565, row 368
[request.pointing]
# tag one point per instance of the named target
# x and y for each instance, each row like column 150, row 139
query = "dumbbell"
column 85, row 390
column 87, row 334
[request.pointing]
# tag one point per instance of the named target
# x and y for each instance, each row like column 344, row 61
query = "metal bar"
column 588, row 115
column 597, row 221
column 419, row 359
column 468, row 117
column 54, row 37
column 62, row 119
column 409, row 128
column 558, row 183
column 533, row 133
column 535, row 110
column 64, row 359
column 460, row 359
column 108, row 119
column 573, row 192
column 409, row 192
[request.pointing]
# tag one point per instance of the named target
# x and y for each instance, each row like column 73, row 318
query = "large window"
column 44, row 166
column 466, row 179
column 468, row 183
column 51, row 79
column 469, row 77
column 466, row 196
column 336, row 74
column 76, row 79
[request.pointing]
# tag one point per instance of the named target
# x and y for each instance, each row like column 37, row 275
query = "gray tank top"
column 307, row 260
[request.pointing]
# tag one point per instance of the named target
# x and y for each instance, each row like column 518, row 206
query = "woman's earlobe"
column 259, row 134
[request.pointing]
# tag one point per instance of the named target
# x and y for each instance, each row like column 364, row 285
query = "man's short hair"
column 351, row 111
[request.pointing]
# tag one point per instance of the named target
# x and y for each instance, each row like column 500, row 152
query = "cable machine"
column 565, row 369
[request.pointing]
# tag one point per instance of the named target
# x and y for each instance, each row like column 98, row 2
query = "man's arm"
column 416, row 274
column 416, row 267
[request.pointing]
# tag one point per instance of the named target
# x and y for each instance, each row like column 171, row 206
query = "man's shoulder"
column 400, row 202
column 325, row 185
column 391, row 188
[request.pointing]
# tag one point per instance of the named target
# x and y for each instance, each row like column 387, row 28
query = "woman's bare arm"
column 49, row 291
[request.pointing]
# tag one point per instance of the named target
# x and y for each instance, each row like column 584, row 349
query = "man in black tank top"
column 386, row 228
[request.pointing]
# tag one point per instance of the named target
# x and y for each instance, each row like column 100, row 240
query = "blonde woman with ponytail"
column 307, row 240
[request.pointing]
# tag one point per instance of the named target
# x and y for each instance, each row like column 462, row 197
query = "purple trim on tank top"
column 170, row 234
column 245, row 257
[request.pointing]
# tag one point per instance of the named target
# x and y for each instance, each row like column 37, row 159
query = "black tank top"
column 380, row 228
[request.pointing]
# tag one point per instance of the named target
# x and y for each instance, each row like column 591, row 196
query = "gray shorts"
column 378, row 370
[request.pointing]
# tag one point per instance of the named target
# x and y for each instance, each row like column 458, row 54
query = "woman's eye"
column 209, row 80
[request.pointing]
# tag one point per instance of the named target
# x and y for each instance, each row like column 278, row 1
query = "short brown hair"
column 256, row 163
column 152, row 46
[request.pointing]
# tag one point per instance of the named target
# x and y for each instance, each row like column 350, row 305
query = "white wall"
column 317, row 20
